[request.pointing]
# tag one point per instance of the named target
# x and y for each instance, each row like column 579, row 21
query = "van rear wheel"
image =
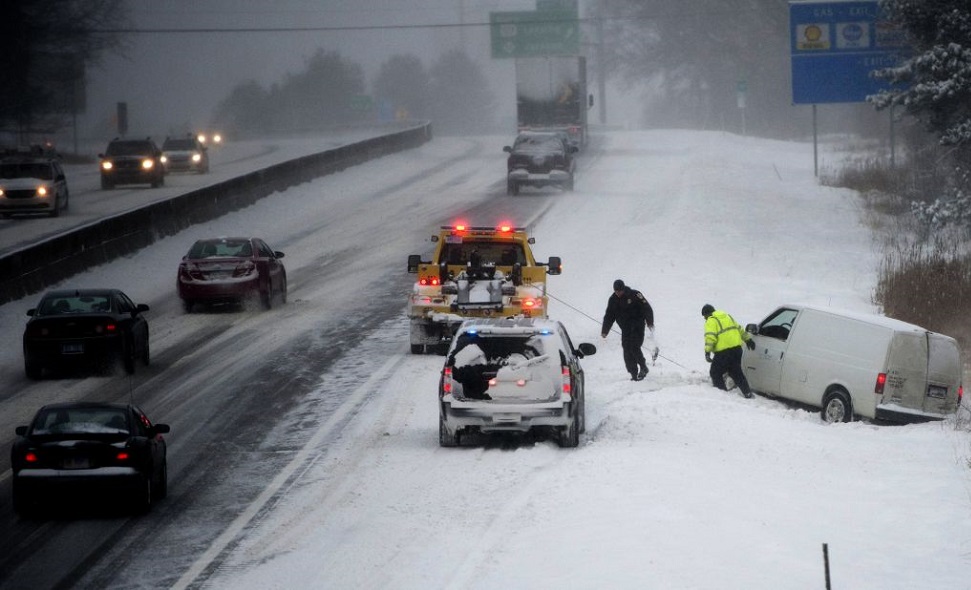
column 836, row 407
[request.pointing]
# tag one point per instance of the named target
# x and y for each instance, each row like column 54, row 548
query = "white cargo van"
column 852, row 364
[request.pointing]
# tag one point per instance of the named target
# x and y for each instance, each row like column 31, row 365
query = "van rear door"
column 943, row 374
column 906, row 371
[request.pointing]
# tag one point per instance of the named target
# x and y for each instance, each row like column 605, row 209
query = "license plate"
column 77, row 463
column 72, row 348
column 936, row 391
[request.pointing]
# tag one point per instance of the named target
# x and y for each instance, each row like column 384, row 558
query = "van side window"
column 779, row 324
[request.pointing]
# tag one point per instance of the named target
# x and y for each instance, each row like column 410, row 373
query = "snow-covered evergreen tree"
column 936, row 78
column 935, row 88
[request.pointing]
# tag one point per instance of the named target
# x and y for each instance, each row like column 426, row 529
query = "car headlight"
column 1, row 192
column 196, row 157
column 201, row 138
column 42, row 191
column 164, row 159
column 147, row 164
column 217, row 138
column 107, row 165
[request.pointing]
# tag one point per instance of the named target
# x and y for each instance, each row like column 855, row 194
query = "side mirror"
column 574, row 149
column 21, row 430
column 278, row 254
column 32, row 311
column 162, row 429
column 413, row 261
column 586, row 349
column 140, row 308
column 752, row 328
column 507, row 149
column 555, row 266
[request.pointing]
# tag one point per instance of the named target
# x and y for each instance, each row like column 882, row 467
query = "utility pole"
column 601, row 66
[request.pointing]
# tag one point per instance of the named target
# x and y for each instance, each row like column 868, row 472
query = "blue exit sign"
column 835, row 46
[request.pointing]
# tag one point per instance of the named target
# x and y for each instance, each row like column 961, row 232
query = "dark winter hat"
column 707, row 310
column 618, row 285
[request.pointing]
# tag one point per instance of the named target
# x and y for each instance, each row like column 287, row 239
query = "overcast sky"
column 172, row 81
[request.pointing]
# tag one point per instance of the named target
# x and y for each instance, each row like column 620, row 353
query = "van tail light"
column 567, row 387
column 447, row 381
column 960, row 393
column 881, row 382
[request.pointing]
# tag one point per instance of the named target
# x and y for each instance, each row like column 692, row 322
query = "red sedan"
column 219, row 270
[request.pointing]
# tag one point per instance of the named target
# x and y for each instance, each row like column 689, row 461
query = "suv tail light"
column 447, row 381
column 567, row 387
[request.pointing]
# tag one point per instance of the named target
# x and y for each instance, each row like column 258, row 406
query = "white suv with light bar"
column 512, row 375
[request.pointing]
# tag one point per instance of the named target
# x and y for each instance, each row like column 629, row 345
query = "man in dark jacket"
column 630, row 309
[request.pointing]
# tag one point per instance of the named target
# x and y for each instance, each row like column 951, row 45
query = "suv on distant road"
column 185, row 154
column 540, row 158
column 512, row 375
column 32, row 181
column 132, row 161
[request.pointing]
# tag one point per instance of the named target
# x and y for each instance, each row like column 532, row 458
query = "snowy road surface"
column 304, row 447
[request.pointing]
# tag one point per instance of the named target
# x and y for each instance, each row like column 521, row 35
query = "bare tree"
column 45, row 47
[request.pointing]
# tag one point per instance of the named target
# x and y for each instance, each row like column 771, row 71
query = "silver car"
column 512, row 375
column 31, row 184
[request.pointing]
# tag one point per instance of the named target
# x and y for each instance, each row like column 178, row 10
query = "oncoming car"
column 132, row 161
column 512, row 375
column 85, row 328
column 231, row 269
column 184, row 154
column 32, row 183
column 88, row 451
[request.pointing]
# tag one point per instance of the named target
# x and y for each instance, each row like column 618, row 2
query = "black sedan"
column 85, row 451
column 85, row 329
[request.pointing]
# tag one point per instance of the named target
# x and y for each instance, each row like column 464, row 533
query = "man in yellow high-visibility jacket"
column 723, row 348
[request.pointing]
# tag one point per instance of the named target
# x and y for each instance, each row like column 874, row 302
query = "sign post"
column 835, row 47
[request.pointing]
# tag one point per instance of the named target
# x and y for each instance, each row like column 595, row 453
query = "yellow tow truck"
column 475, row 272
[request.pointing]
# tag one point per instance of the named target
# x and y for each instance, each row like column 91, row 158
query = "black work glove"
column 708, row 357
column 750, row 344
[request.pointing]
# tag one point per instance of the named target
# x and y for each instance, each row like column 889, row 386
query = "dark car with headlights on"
column 222, row 270
column 86, row 452
column 185, row 154
column 512, row 375
column 85, row 329
column 538, row 159
column 32, row 182
column 132, row 161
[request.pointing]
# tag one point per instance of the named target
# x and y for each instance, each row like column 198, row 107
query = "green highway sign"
column 534, row 33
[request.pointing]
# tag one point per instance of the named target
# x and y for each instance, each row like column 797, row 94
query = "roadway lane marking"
column 281, row 479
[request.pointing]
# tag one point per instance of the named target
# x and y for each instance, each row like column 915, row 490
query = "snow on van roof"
column 871, row 318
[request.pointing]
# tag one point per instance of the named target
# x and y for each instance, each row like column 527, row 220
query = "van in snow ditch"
column 853, row 364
